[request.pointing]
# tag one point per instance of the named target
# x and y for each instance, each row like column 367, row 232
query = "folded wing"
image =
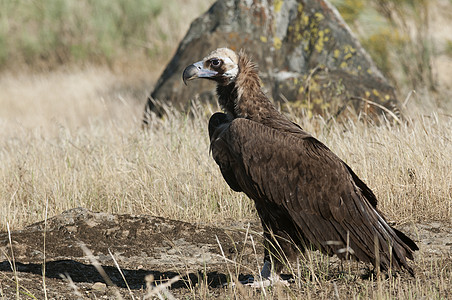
column 327, row 202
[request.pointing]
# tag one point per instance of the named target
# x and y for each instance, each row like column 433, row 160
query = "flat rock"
column 140, row 245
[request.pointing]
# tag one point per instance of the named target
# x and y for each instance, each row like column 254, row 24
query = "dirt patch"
column 147, row 245
column 141, row 245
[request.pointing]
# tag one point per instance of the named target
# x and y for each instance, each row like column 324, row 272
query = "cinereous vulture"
column 306, row 196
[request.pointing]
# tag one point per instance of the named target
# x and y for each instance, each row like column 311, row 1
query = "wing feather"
column 297, row 173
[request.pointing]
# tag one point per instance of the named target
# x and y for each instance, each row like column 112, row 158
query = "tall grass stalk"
column 90, row 151
column 69, row 139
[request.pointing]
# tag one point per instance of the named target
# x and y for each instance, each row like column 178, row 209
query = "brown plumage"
column 306, row 196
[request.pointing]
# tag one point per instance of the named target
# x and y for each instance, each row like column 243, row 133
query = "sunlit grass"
column 86, row 148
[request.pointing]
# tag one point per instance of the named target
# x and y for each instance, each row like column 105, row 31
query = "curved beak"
column 196, row 70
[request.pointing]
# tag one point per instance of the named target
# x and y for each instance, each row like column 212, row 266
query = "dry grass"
column 68, row 140
column 81, row 145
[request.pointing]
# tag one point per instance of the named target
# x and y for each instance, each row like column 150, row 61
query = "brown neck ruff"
column 243, row 98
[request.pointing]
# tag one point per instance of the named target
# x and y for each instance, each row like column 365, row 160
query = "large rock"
column 305, row 51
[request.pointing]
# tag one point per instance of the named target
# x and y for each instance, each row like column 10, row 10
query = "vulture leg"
column 282, row 241
column 267, row 278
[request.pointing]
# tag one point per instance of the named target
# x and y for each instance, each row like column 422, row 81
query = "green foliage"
column 448, row 47
column 350, row 9
column 3, row 47
column 380, row 46
column 396, row 34
column 60, row 31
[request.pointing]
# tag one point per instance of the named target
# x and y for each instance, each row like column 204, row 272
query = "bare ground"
column 146, row 245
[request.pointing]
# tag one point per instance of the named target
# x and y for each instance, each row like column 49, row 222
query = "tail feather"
column 404, row 249
column 409, row 242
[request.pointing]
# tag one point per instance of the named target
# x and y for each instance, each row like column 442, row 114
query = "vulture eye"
column 215, row 63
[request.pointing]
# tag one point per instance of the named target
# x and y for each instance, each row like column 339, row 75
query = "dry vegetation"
column 72, row 138
column 82, row 146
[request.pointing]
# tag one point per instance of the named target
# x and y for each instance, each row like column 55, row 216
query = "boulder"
column 308, row 57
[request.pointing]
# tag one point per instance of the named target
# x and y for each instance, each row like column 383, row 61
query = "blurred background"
column 410, row 40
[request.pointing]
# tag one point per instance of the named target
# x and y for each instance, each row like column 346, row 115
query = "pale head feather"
column 230, row 61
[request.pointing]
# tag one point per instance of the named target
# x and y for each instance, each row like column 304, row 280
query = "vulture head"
column 221, row 65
